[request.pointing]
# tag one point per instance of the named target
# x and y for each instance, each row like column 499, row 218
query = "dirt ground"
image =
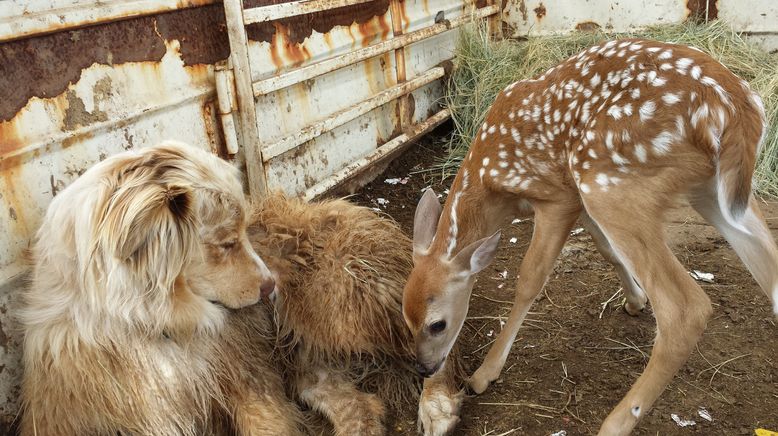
column 579, row 352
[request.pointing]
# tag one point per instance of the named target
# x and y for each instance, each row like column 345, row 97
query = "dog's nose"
column 267, row 287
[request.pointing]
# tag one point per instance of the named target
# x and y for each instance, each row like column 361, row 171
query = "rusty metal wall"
column 81, row 80
column 286, row 44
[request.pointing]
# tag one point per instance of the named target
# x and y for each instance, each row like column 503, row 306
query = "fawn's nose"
column 267, row 287
column 427, row 371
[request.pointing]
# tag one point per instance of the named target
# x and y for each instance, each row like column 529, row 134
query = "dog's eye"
column 229, row 245
column 437, row 327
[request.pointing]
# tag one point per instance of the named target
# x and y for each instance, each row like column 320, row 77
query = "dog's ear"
column 150, row 226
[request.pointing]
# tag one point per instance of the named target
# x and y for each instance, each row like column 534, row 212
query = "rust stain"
column 385, row 27
column 540, row 11
column 328, row 41
column 76, row 115
column 696, row 10
column 301, row 27
column 353, row 38
column 523, row 10
column 213, row 129
column 368, row 32
column 11, row 200
column 404, row 21
column 285, row 53
column 44, row 66
column 9, row 137
column 587, row 26
column 75, row 139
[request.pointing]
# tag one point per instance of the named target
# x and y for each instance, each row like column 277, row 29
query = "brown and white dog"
column 126, row 322
column 140, row 318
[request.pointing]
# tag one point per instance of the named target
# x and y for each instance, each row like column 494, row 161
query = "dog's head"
column 168, row 238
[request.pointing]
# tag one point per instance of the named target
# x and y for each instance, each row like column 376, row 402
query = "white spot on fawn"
column 696, row 72
column 671, row 98
column 662, row 142
column 647, row 110
column 640, row 153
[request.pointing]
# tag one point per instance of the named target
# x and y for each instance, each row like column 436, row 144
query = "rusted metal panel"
column 261, row 14
column 25, row 18
column 73, row 98
column 339, row 83
column 541, row 17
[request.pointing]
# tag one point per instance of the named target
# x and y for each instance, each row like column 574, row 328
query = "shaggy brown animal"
column 126, row 323
column 340, row 274
column 126, row 329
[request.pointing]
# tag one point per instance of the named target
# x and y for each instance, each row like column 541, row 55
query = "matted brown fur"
column 340, row 274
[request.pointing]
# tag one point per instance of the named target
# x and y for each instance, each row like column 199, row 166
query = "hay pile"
column 485, row 67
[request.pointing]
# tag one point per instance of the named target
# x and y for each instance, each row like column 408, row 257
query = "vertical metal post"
column 495, row 21
column 399, row 61
column 239, row 56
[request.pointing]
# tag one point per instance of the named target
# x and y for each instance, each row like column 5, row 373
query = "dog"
column 127, row 320
column 141, row 316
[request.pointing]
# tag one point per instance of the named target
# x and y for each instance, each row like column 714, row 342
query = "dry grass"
column 485, row 67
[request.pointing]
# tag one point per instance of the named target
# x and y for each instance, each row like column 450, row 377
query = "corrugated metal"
column 24, row 18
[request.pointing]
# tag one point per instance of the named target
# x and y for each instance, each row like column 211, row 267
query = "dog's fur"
column 341, row 270
column 126, row 329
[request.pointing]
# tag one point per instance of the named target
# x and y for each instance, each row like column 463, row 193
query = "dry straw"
column 484, row 67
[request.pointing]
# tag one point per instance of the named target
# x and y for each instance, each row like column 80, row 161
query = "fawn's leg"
column 553, row 222
column 350, row 411
column 633, row 226
column 440, row 402
column 756, row 248
column 636, row 298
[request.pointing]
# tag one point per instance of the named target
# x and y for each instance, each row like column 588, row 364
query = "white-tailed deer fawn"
column 614, row 135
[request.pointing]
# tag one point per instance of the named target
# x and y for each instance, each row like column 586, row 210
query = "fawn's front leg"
column 350, row 411
column 553, row 222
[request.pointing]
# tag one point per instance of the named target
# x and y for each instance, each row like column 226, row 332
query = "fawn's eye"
column 437, row 327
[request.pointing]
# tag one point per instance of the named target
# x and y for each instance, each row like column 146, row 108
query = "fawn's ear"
column 425, row 221
column 478, row 255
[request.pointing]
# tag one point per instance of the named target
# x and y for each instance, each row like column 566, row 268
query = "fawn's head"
column 437, row 294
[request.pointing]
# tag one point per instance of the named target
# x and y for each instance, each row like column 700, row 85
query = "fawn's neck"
column 469, row 214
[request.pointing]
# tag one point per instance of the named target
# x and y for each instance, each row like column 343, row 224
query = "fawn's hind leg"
column 633, row 227
column 350, row 411
column 636, row 298
column 756, row 247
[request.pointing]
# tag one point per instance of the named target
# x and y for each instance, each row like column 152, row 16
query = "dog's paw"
column 439, row 412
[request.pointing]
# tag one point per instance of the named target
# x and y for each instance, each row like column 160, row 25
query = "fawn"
column 614, row 136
